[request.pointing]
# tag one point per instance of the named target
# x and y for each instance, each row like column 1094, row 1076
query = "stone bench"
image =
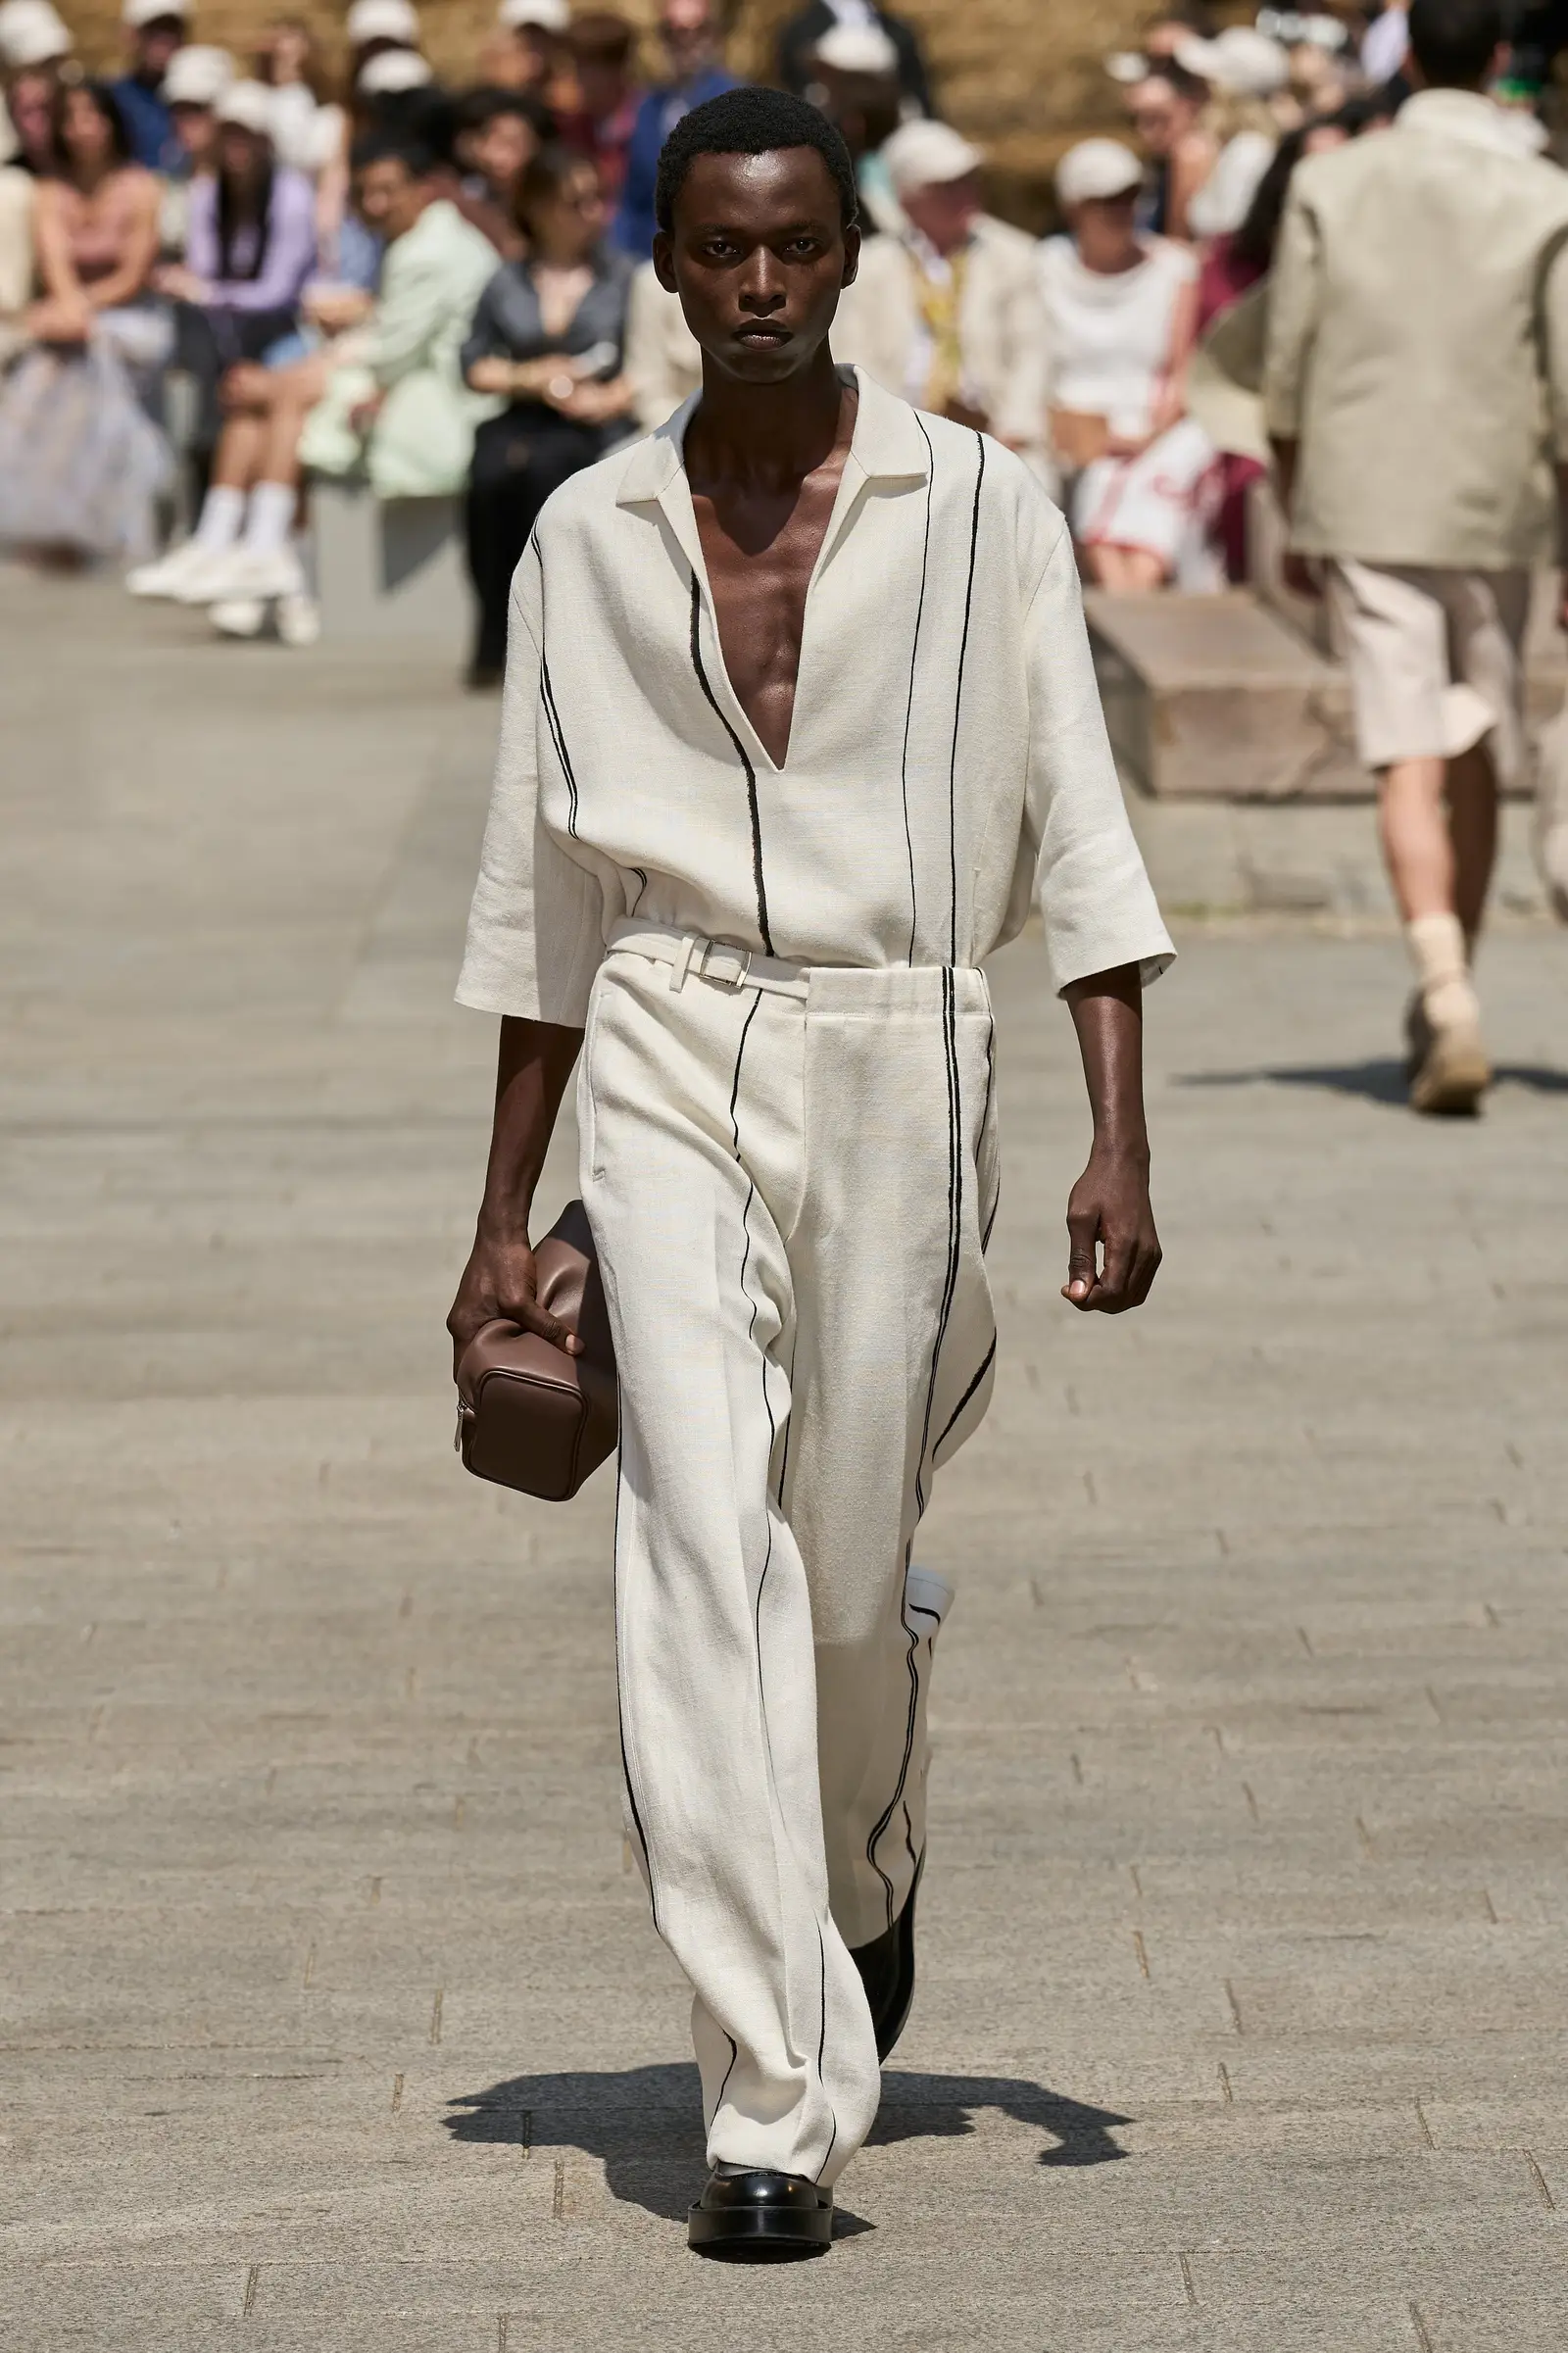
column 389, row 568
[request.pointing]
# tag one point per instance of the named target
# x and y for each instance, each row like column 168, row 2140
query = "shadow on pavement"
column 643, row 2124
column 1382, row 1080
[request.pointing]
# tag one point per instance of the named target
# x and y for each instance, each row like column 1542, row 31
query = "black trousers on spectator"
column 518, row 459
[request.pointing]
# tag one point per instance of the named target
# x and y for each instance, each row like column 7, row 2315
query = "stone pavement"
column 333, row 2019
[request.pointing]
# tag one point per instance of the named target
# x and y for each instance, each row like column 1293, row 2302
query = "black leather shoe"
column 760, row 2218
column 887, row 1972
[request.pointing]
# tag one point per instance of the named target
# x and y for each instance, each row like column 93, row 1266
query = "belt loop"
column 681, row 962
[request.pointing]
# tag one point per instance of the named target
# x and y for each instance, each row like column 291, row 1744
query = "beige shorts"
column 1435, row 660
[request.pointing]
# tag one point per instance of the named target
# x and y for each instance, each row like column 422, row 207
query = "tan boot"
column 1448, row 1069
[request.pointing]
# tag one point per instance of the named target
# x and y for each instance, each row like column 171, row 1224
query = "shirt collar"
column 888, row 445
column 1466, row 115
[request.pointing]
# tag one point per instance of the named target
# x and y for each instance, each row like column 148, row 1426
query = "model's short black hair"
column 1454, row 41
column 751, row 122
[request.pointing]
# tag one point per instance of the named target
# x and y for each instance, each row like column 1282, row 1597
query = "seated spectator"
column 1248, row 75
column 601, row 124
column 392, row 405
column 197, row 78
column 547, row 338
column 306, row 126
column 156, row 29
column 799, row 43
column 1167, row 112
column 949, row 315
column 499, row 134
column 690, row 34
column 34, row 43
column 527, row 51
column 858, row 81
column 80, row 462
column 16, row 189
column 1121, row 309
column 249, row 242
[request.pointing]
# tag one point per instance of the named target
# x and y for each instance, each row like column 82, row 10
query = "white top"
column 1111, row 335
column 948, row 757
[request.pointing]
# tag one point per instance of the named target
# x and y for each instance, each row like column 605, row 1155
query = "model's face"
column 499, row 150
column 759, row 256
column 945, row 211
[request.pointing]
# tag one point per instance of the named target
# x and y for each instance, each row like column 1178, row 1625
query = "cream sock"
column 222, row 519
column 1438, row 951
column 271, row 517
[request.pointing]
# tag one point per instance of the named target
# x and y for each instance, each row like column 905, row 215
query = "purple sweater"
column 290, row 248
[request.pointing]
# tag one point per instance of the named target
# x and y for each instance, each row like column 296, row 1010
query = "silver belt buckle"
column 726, row 980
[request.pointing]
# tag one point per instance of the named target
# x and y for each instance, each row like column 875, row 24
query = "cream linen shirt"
column 1418, row 341
column 948, row 757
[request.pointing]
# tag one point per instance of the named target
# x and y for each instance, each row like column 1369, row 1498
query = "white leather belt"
column 718, row 961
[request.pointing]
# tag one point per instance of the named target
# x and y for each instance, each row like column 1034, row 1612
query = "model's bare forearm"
column 534, row 1065
column 1107, row 1012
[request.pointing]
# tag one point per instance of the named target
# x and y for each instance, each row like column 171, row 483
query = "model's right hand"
column 501, row 1281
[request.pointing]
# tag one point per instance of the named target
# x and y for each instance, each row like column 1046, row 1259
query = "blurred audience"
column 548, row 338
column 499, row 134
column 527, row 51
column 690, row 34
column 600, row 123
column 1165, row 110
column 799, row 49
column 34, row 44
column 1122, row 310
column 155, row 29
column 857, row 89
column 948, row 313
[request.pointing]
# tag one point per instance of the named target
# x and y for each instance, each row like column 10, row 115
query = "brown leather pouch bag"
column 1079, row 436
column 530, row 1416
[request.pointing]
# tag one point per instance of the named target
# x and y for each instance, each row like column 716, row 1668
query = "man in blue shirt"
column 691, row 43
column 156, row 28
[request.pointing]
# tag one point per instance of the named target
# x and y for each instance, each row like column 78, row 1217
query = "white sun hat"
column 33, row 33
column 248, row 105
column 926, row 155
column 198, row 76
column 1241, row 60
column 392, row 72
column 856, row 49
column 1094, row 170
column 137, row 12
column 381, row 21
column 1127, row 66
column 550, row 16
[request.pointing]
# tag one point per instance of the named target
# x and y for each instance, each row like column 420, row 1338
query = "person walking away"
column 799, row 717
column 1121, row 313
column 155, row 29
column 548, row 338
column 801, row 40
column 689, row 32
column 948, row 314
column 1416, row 397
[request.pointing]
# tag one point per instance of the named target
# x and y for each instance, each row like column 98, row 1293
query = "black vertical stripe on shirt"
column 914, row 654
column 546, row 695
column 741, row 755
column 957, row 698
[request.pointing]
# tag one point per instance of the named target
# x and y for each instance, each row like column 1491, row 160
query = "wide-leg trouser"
column 790, row 1193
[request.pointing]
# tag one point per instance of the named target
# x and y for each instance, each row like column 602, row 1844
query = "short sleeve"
column 1089, row 879
column 536, row 927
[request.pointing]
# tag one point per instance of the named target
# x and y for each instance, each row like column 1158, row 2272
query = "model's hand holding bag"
column 529, row 1415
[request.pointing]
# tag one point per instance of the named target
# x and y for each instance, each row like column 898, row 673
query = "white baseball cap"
column 856, row 49
column 393, row 71
column 1239, row 59
column 139, row 12
column 1097, row 169
column 1127, row 66
column 550, row 16
column 248, row 105
column 381, row 21
column 33, row 33
column 198, row 76
column 924, row 155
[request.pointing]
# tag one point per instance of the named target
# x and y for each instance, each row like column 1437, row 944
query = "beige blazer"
column 1001, row 329
column 1418, row 341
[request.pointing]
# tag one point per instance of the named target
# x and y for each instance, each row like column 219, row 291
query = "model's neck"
column 768, row 433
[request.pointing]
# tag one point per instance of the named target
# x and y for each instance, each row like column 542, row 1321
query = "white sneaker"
column 169, row 575
column 242, row 572
column 299, row 619
column 238, row 616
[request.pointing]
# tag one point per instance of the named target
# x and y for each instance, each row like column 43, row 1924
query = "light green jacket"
column 422, row 438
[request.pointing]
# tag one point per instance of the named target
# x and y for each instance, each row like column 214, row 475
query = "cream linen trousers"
column 791, row 1174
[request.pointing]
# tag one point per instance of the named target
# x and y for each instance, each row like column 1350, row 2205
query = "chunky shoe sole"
column 757, row 2234
column 1452, row 1077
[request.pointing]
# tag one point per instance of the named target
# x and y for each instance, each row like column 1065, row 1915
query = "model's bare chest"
column 761, row 555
